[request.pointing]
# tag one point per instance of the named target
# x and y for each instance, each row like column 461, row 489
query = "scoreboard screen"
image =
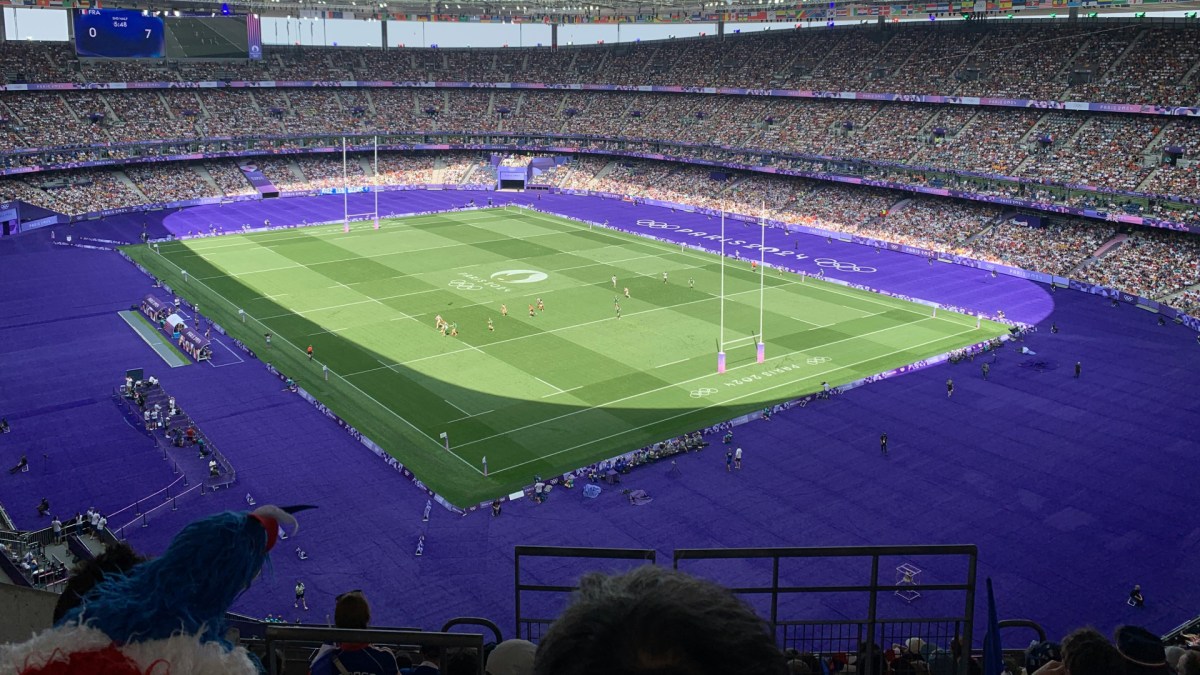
column 202, row 37
column 118, row 33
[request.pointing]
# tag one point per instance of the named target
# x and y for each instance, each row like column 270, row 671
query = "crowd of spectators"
column 1028, row 59
column 73, row 192
column 1149, row 263
column 229, row 178
column 1057, row 248
column 407, row 169
column 1107, row 151
column 171, row 183
column 1152, row 264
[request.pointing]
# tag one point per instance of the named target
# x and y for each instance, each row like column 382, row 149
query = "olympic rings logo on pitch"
column 464, row 285
column 702, row 392
column 818, row 360
column 657, row 225
column 843, row 266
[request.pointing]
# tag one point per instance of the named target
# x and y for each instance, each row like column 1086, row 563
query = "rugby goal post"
column 372, row 215
column 756, row 339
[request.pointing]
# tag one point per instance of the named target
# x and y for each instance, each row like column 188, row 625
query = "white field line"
column 722, row 403
column 480, row 414
column 563, row 391
column 228, row 349
column 564, row 328
column 456, row 407
column 238, row 275
column 432, row 290
column 702, row 377
column 672, row 363
column 374, row 400
column 823, row 285
column 556, row 389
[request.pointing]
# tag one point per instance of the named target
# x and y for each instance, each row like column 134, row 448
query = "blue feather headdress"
column 190, row 587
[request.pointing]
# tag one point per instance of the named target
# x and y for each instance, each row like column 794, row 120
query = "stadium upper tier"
column 1034, row 59
column 1102, row 150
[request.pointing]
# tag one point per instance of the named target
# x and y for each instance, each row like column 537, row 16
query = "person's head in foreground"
column 352, row 611
column 657, row 621
column 1142, row 651
column 1087, row 652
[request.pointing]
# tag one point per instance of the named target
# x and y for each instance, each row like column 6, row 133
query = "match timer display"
column 118, row 34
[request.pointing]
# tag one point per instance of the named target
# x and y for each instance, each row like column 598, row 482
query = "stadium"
column 846, row 309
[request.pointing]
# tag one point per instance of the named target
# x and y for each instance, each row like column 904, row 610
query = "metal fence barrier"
column 278, row 636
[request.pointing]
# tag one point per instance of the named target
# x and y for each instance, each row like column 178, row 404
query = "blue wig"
column 187, row 590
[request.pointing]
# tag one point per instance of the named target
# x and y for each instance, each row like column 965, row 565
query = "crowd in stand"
column 1121, row 152
column 1149, row 264
column 1030, row 59
column 1056, row 248
column 1152, row 264
column 171, row 183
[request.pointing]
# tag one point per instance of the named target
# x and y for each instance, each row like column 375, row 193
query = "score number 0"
column 92, row 32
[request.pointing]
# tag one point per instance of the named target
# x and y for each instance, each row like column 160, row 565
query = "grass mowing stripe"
column 821, row 285
column 694, row 379
column 360, row 391
column 558, row 330
column 428, row 290
column 726, row 402
column 384, row 255
column 404, row 405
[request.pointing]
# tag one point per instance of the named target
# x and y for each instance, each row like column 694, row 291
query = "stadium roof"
column 572, row 11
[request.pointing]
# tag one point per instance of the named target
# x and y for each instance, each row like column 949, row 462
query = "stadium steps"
column 1149, row 177
column 1157, row 141
column 1168, row 298
column 207, row 178
column 365, row 162
column 983, row 231
column 1187, row 77
column 254, row 102
column 470, row 172
column 108, row 109
column 370, row 102
column 1066, row 67
column 1034, row 129
column 1108, row 246
column 296, row 171
column 1112, row 68
column 985, row 228
column 608, row 168
column 120, row 175
column 899, row 206
column 163, row 101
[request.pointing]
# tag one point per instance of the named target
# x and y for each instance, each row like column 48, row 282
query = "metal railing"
column 284, row 635
column 864, row 636
column 532, row 628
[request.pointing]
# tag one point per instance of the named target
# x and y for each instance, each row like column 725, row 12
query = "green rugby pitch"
column 541, row 395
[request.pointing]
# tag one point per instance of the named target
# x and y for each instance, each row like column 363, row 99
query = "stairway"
column 1142, row 185
column 1167, row 298
column 208, row 179
column 120, row 176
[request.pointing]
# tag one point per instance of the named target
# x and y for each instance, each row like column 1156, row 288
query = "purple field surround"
column 1073, row 489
